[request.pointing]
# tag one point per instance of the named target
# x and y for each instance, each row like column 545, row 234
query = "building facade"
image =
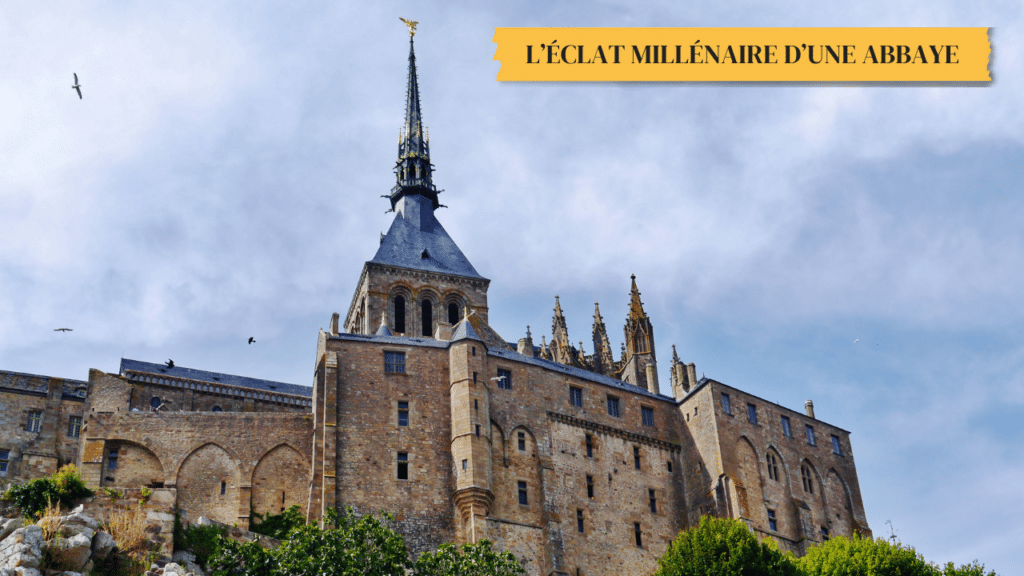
column 575, row 462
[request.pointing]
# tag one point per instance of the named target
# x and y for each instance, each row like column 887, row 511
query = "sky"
column 222, row 175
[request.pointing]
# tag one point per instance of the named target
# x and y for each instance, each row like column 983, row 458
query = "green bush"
column 64, row 487
column 277, row 525
column 723, row 546
column 467, row 560
column 858, row 556
column 200, row 540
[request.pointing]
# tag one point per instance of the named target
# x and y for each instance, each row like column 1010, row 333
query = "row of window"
column 773, row 525
column 613, row 403
column 35, row 423
column 426, row 315
column 787, row 430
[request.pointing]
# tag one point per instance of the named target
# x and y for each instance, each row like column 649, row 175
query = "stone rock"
column 69, row 530
column 80, row 519
column 68, row 573
column 21, row 572
column 102, row 545
column 22, row 549
column 173, row 569
column 10, row 525
column 72, row 552
column 188, row 560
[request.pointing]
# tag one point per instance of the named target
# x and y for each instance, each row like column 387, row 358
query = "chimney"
column 809, row 407
column 334, row 323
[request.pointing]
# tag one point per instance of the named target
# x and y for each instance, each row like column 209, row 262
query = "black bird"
column 251, row 339
column 62, row 329
column 77, row 86
column 170, row 363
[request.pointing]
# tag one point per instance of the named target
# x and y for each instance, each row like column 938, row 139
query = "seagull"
column 62, row 330
column 251, row 339
column 170, row 363
column 77, row 86
column 857, row 340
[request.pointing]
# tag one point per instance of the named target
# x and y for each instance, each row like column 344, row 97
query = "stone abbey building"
column 577, row 463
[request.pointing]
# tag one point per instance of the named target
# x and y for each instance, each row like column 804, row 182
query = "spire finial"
column 411, row 24
column 413, row 168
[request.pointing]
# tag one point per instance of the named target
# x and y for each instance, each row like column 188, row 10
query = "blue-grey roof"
column 38, row 384
column 465, row 331
column 417, row 240
column 383, row 330
column 215, row 377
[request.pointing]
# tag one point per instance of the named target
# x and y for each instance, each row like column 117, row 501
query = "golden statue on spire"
column 411, row 24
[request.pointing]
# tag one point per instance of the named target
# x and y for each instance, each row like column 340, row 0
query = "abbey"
column 578, row 463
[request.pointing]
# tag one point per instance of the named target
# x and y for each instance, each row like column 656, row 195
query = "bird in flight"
column 251, row 339
column 170, row 363
column 77, row 86
column 857, row 340
column 62, row 329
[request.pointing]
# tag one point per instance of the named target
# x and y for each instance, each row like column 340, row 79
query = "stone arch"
column 749, row 493
column 838, row 506
column 498, row 455
column 777, row 493
column 530, row 441
column 456, row 300
column 137, row 465
column 428, row 310
column 278, row 480
column 400, row 300
column 208, row 483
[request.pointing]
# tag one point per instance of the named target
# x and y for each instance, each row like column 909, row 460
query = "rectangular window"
column 394, row 362
column 613, row 406
column 824, row 534
column 75, row 426
column 773, row 524
column 465, row 464
column 636, row 457
column 112, row 459
column 35, row 421
column 668, row 465
column 5, row 459
column 725, row 404
column 653, row 501
column 579, row 521
column 522, row 494
column 647, row 415
column 403, row 465
column 836, row 448
column 810, row 435
column 576, row 396
column 752, row 413
column 590, row 487
column 637, row 534
column 403, row 413
column 477, row 430
column 786, row 430
column 590, row 446
column 223, row 487
column 504, row 379
column 522, row 441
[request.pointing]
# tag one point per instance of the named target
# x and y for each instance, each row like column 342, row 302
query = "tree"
column 858, row 556
column 468, row 560
column 723, row 546
column 972, row 569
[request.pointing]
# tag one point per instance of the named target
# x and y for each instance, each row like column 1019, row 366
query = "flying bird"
column 857, row 340
column 77, row 86
column 170, row 363
column 62, row 330
column 251, row 339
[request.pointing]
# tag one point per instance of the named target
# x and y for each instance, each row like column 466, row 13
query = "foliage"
column 468, row 560
column 277, row 525
column 972, row 569
column 112, row 493
column 858, row 556
column 202, row 541
column 350, row 545
column 145, row 492
column 49, row 520
column 128, row 528
column 723, row 546
column 64, row 487
column 117, row 565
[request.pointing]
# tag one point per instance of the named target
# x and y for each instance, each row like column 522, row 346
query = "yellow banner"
column 743, row 54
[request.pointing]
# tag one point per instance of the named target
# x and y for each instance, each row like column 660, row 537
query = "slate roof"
column 39, row 385
column 215, row 377
column 415, row 230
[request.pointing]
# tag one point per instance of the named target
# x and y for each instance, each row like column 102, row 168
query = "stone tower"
column 640, row 366
column 419, row 282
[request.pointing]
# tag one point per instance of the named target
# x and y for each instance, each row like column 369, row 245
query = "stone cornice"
column 610, row 431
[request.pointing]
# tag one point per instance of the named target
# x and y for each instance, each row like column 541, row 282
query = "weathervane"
column 411, row 24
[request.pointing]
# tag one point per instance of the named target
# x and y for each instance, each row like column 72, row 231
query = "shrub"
column 857, row 556
column 723, row 546
column 128, row 528
column 64, row 487
column 277, row 525
column 467, row 560
column 202, row 540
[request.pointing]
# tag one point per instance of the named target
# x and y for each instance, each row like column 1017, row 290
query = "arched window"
column 218, row 409
column 453, row 314
column 773, row 468
column 808, row 479
column 399, row 314
column 428, row 318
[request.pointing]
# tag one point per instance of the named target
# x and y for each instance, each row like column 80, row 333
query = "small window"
column 579, row 521
column 638, row 535
column 453, row 313
column 112, row 459
column 465, row 464
column 613, row 406
column 427, row 317
column 218, row 409
column 636, row 457
column 394, row 362
column 786, row 430
column 647, row 415
column 75, row 426
column 523, row 499
column 403, row 413
column 403, row 465
column 477, row 430
column 668, row 465
column 35, row 421
column 576, row 396
column 476, row 404
column 399, row 314
column 773, row 468
column 808, row 479
column 725, row 405
column 590, row 446
column 522, row 441
column 824, row 534
column 836, row 448
column 155, row 403
column 652, row 500
column 773, row 524
column 223, row 487
column 504, row 379
column 590, row 486
column 810, row 435
column 5, row 459
column 752, row 413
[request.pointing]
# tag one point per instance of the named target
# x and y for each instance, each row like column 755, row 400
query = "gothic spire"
column 413, row 168
column 636, row 307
